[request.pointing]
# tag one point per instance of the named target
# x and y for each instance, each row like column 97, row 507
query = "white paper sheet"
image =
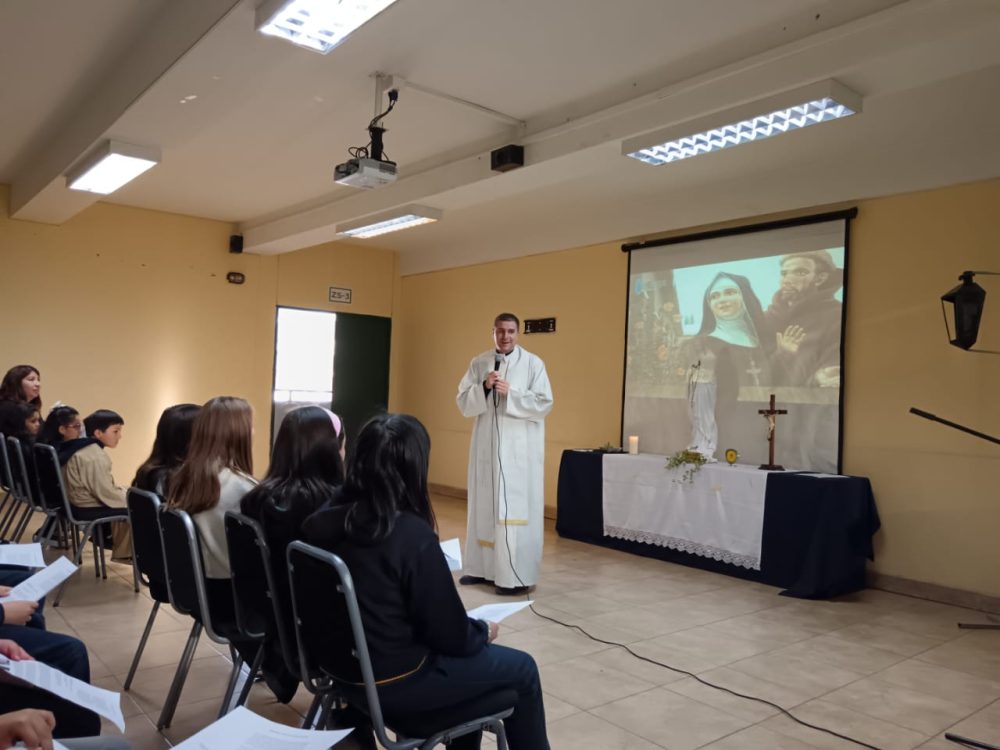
column 242, row 729
column 452, row 553
column 28, row 555
column 42, row 582
column 497, row 612
column 56, row 745
column 820, row 476
column 102, row 702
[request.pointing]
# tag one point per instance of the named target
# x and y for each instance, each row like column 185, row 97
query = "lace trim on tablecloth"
column 683, row 545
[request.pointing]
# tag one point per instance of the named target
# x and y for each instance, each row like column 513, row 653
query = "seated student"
column 87, row 473
column 306, row 467
column 214, row 477
column 20, row 384
column 170, row 448
column 62, row 652
column 63, row 423
column 427, row 654
column 33, row 728
column 21, row 420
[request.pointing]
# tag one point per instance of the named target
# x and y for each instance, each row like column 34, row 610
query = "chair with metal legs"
column 260, row 602
column 24, row 487
column 327, row 618
column 88, row 521
column 188, row 589
column 147, row 556
column 11, row 503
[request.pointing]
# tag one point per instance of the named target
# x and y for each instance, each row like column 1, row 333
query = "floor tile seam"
column 625, row 729
column 908, row 656
column 896, row 724
column 141, row 669
column 900, row 658
column 931, row 696
column 786, row 687
column 955, row 668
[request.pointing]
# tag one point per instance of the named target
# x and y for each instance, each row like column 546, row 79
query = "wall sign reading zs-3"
column 338, row 294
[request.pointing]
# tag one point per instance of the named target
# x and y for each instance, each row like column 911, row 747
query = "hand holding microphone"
column 494, row 382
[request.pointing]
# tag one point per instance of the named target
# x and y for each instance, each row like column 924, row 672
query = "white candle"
column 633, row 445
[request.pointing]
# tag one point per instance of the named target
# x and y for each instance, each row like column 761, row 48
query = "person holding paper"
column 507, row 391
column 62, row 652
column 426, row 652
column 33, row 728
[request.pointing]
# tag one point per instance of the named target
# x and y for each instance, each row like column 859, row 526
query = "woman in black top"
column 306, row 468
column 427, row 654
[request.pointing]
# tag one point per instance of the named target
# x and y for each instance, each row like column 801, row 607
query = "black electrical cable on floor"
column 510, row 557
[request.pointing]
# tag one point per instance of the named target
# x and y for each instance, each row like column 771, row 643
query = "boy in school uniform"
column 87, row 473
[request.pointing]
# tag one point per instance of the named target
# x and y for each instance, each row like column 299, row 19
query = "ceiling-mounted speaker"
column 236, row 243
column 507, row 158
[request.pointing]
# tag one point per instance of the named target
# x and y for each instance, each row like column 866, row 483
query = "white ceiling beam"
column 468, row 180
column 38, row 190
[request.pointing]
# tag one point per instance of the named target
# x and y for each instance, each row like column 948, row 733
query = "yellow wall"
column 447, row 318
column 936, row 489
column 129, row 309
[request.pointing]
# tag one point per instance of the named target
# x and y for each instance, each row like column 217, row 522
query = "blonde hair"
column 220, row 439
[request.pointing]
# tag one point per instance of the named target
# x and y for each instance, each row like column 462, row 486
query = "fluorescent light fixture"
column 793, row 110
column 111, row 165
column 316, row 24
column 403, row 217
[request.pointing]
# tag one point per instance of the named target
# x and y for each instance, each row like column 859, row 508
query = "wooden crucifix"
column 771, row 415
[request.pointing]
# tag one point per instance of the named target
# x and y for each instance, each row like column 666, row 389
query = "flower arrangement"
column 691, row 461
column 609, row 448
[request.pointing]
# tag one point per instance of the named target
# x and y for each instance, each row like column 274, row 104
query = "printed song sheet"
column 242, row 729
column 42, row 582
column 452, row 553
column 27, row 555
column 497, row 612
column 102, row 702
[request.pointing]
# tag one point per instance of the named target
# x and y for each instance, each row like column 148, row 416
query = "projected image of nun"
column 731, row 351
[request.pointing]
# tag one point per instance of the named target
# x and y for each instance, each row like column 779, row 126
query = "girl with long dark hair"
column 170, row 448
column 306, row 469
column 21, row 384
column 62, row 424
column 427, row 654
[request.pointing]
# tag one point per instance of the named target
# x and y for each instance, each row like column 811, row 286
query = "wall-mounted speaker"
column 236, row 243
column 507, row 158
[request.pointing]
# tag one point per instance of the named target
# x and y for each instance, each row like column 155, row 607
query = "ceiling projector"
column 365, row 173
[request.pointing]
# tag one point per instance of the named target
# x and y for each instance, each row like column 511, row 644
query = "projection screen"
column 718, row 323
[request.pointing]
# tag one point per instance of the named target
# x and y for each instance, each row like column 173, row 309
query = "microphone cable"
column 510, row 558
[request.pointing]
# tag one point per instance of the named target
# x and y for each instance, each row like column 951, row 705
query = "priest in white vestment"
column 507, row 391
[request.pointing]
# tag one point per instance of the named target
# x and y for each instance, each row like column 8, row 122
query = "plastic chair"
column 327, row 618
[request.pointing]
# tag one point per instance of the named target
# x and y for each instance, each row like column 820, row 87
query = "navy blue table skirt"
column 817, row 532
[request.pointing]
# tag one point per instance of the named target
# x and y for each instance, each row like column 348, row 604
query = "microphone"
column 496, row 368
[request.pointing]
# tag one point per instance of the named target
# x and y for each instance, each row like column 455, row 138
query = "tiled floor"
column 892, row 671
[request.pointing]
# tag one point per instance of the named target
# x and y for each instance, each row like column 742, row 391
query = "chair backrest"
column 250, row 572
column 50, row 480
column 327, row 618
column 20, row 479
column 6, row 480
column 185, row 573
column 147, row 547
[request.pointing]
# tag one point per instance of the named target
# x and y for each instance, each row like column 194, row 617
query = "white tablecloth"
column 719, row 514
